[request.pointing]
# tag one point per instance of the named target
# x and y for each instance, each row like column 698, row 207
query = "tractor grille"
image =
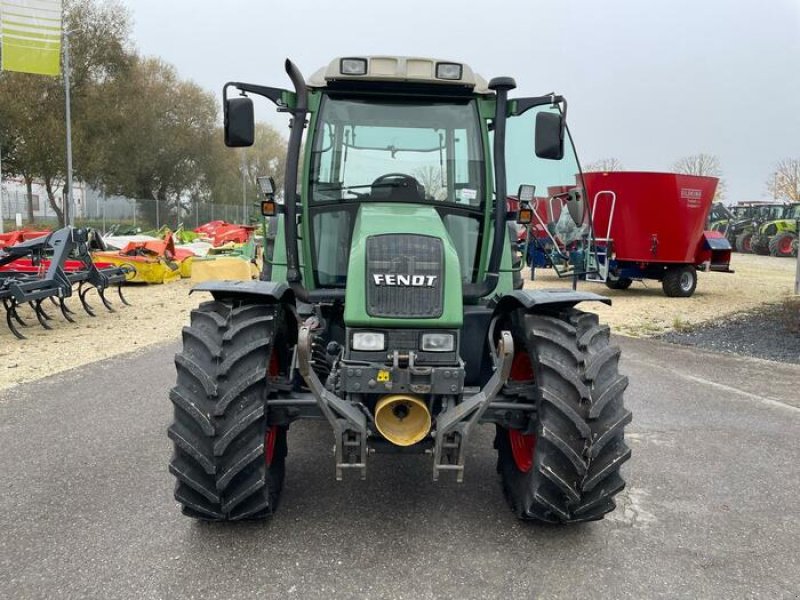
column 405, row 276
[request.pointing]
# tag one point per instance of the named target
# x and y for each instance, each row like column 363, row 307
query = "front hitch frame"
column 454, row 425
column 348, row 422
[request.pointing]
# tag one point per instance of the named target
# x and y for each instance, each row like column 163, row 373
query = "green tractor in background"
column 778, row 237
column 719, row 218
column 749, row 218
column 387, row 306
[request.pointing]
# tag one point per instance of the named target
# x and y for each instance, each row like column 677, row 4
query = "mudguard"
column 529, row 299
column 269, row 291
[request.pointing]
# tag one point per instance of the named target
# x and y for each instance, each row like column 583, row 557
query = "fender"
column 265, row 291
column 532, row 299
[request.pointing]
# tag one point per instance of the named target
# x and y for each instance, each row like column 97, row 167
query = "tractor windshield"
column 390, row 150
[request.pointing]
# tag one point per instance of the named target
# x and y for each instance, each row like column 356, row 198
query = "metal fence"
column 105, row 213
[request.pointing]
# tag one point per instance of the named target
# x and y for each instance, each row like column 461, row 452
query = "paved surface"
column 711, row 509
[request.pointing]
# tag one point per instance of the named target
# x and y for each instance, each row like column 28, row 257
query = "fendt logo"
column 390, row 279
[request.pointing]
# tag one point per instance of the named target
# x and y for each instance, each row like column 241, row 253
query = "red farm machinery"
column 640, row 226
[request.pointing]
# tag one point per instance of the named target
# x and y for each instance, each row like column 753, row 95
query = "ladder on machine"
column 598, row 252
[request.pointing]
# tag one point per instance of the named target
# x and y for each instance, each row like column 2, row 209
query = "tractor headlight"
column 438, row 342
column 369, row 341
column 448, row 71
column 353, row 66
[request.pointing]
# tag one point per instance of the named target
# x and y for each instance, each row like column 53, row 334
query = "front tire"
column 680, row 281
column 564, row 467
column 228, row 462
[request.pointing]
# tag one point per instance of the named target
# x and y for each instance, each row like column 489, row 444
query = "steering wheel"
column 402, row 180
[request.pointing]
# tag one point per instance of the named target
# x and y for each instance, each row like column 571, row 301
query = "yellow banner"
column 31, row 36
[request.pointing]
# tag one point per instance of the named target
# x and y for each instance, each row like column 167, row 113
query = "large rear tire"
column 564, row 467
column 784, row 244
column 680, row 281
column 228, row 462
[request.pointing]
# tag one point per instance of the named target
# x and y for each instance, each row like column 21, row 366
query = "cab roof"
column 398, row 69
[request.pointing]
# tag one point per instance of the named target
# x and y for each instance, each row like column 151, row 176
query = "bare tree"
column 431, row 178
column 784, row 183
column 706, row 165
column 605, row 164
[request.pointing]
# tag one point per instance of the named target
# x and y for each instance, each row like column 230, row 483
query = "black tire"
column 621, row 283
column 220, row 434
column 680, row 281
column 784, row 244
column 760, row 245
column 743, row 243
column 579, row 448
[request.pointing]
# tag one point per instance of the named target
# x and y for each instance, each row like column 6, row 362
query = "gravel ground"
column 644, row 311
column 772, row 333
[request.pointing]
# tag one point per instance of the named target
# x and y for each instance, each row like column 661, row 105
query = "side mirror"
column 576, row 206
column 239, row 122
column 549, row 136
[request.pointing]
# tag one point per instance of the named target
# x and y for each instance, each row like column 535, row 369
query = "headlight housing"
column 437, row 342
column 368, row 341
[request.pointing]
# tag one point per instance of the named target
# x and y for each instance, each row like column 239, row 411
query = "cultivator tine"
column 11, row 316
column 11, row 309
column 40, row 314
column 37, row 307
column 86, row 306
column 121, row 297
column 65, row 310
column 102, row 293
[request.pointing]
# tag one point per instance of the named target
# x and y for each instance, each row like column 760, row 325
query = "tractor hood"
column 403, row 270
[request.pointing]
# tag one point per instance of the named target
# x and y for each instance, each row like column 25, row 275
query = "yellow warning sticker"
column 383, row 375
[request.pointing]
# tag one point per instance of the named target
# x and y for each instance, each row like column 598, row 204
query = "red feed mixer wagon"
column 651, row 226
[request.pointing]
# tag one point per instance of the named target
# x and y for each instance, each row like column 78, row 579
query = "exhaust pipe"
column 402, row 419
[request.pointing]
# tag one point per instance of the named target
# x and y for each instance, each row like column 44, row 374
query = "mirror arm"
column 521, row 105
column 275, row 95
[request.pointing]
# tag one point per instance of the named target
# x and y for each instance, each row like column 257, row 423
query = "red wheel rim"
column 272, row 432
column 269, row 444
column 747, row 244
column 785, row 247
column 523, row 447
column 274, row 367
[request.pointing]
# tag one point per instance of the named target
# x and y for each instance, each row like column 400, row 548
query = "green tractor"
column 388, row 307
column 765, row 226
column 778, row 237
column 749, row 218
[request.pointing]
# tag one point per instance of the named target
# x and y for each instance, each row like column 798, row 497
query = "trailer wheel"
column 679, row 281
column 783, row 244
column 743, row 243
column 621, row 283
column 564, row 466
column 229, row 464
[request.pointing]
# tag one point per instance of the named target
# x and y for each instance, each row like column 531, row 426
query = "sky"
column 648, row 81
